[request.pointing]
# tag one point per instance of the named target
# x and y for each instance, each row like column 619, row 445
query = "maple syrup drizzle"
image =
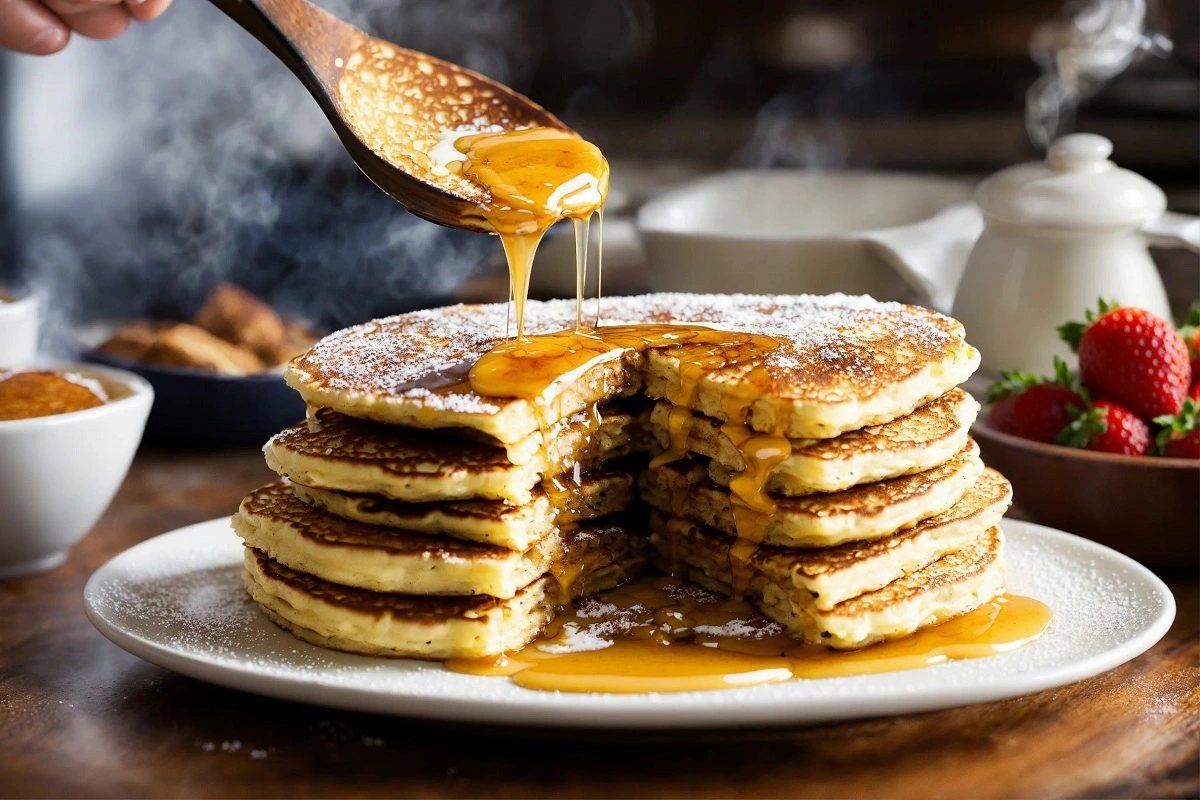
column 581, row 254
column 536, row 177
column 534, row 367
column 599, row 264
column 655, row 635
column 679, row 429
column 564, row 493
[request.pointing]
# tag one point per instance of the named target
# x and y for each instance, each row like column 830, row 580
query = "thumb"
column 26, row 26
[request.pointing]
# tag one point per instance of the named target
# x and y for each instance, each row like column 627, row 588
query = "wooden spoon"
column 389, row 105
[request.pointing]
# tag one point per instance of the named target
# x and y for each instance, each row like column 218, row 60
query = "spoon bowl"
column 389, row 105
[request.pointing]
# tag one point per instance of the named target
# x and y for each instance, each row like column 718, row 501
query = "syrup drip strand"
column 581, row 254
column 599, row 263
column 536, row 177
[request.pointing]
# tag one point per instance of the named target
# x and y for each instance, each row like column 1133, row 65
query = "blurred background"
column 136, row 174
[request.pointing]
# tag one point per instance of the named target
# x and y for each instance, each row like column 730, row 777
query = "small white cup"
column 18, row 332
column 59, row 473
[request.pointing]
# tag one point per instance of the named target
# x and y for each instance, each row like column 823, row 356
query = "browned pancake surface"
column 337, row 438
column 833, row 348
column 957, row 567
column 276, row 501
column 983, row 502
column 685, row 483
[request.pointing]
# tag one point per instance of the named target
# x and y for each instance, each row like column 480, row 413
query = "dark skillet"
column 202, row 410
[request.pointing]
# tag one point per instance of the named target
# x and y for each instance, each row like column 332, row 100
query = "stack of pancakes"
column 388, row 539
column 419, row 518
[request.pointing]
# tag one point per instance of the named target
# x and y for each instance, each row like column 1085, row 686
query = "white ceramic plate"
column 177, row 601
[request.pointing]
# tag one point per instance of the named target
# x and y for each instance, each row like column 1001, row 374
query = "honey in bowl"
column 29, row 394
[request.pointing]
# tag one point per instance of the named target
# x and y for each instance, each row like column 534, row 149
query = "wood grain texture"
column 82, row 718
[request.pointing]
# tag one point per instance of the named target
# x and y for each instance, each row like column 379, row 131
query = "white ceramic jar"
column 18, row 332
column 1058, row 236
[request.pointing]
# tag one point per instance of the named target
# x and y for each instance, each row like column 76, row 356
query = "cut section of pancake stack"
column 875, row 533
column 392, row 540
column 418, row 518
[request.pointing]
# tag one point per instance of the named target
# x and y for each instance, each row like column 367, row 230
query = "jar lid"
column 1075, row 187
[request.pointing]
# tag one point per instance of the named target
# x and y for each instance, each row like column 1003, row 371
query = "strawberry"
column 1031, row 407
column 1194, row 392
column 1108, row 427
column 1132, row 356
column 1191, row 336
column 1180, row 434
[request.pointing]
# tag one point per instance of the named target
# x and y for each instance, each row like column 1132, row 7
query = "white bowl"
column 18, row 332
column 805, row 231
column 59, row 473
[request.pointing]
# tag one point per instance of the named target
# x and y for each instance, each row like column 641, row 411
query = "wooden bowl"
column 1147, row 508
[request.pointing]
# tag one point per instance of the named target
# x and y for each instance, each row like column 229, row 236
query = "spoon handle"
column 304, row 37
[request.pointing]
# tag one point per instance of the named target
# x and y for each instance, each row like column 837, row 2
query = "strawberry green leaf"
column 1104, row 307
column 1191, row 323
column 1085, row 424
column 1013, row 382
column 1072, row 332
column 1062, row 374
column 1186, row 421
column 1176, row 426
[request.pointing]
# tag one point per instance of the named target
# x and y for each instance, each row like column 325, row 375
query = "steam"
column 792, row 131
column 149, row 168
column 1089, row 44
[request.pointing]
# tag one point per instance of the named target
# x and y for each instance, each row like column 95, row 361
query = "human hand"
column 42, row 27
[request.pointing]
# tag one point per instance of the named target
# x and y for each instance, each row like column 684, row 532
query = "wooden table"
column 79, row 717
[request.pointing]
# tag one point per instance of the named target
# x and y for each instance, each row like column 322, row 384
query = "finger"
column 146, row 10
column 102, row 22
column 61, row 7
column 28, row 27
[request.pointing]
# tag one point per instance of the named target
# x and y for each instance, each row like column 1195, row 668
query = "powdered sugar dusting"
column 740, row 629
column 422, row 358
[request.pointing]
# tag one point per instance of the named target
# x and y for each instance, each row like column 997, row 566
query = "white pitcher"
column 1058, row 236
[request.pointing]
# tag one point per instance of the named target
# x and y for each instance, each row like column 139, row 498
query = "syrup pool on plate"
column 657, row 635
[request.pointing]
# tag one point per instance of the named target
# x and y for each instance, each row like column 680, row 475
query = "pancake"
column 824, row 577
column 842, row 363
column 929, row 436
column 409, row 626
column 957, row 582
column 861, row 513
column 272, row 519
column 346, row 454
column 599, row 493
